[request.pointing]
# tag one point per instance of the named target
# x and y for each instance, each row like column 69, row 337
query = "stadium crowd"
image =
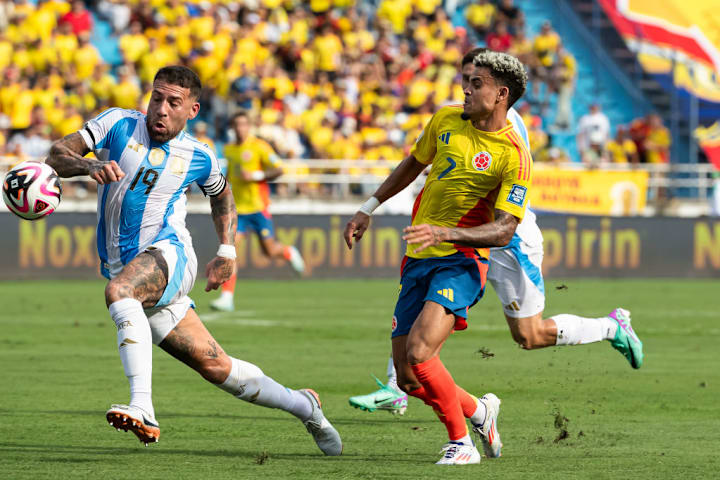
column 334, row 79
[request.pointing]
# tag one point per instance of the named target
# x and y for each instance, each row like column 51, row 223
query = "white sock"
column 134, row 341
column 392, row 375
column 226, row 294
column 466, row 440
column 247, row 382
column 574, row 330
column 478, row 418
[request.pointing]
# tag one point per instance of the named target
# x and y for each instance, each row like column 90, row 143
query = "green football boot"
column 386, row 398
column 626, row 341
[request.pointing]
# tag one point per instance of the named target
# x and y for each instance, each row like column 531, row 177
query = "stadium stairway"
column 103, row 39
column 600, row 80
column 675, row 117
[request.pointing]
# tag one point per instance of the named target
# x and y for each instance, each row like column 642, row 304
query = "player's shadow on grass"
column 281, row 417
column 252, row 455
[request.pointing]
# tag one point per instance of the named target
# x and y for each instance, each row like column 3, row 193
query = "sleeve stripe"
column 517, row 147
column 525, row 162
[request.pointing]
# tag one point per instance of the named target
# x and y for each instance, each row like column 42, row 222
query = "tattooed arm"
column 67, row 157
column 497, row 233
column 224, row 216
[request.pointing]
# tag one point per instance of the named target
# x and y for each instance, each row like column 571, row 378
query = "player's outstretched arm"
column 262, row 175
column 405, row 173
column 224, row 216
column 497, row 233
column 67, row 157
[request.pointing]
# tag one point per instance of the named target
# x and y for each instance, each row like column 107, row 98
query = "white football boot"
column 487, row 431
column 459, row 454
column 136, row 420
column 296, row 260
column 325, row 435
column 223, row 303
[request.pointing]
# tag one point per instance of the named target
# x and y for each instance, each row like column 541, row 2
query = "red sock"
column 440, row 389
column 229, row 286
column 467, row 401
column 286, row 252
column 422, row 395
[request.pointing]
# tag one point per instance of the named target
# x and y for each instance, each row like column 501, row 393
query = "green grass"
column 59, row 372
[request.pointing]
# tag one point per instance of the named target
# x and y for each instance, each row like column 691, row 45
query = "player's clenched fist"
column 218, row 271
column 355, row 228
column 426, row 235
column 106, row 172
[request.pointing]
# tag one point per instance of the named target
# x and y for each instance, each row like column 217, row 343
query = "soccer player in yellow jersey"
column 474, row 197
column 251, row 163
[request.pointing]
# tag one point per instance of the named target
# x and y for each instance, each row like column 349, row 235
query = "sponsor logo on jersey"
column 394, row 323
column 517, row 195
column 447, row 293
column 482, row 161
column 445, row 138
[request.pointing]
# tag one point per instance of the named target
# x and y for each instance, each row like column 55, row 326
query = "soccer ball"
column 32, row 190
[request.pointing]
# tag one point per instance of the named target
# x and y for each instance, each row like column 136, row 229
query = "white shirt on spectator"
column 593, row 127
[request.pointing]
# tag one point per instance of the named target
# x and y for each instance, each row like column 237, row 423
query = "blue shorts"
column 260, row 222
column 456, row 282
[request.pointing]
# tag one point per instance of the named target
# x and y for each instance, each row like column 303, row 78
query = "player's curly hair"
column 181, row 76
column 506, row 69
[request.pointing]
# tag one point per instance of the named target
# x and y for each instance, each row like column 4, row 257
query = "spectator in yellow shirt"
column 134, row 43
column 22, row 106
column 328, row 48
column 480, row 16
column 86, row 57
column 621, row 148
column 127, row 92
column 658, row 141
column 65, row 42
column 546, row 45
column 72, row 121
column 200, row 133
column 102, row 84
column 42, row 20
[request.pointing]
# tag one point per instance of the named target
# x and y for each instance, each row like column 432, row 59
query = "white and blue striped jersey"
column 527, row 230
column 149, row 204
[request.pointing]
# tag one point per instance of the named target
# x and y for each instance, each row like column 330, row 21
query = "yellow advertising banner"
column 593, row 192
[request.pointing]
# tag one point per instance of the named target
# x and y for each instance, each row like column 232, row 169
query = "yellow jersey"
column 472, row 173
column 250, row 156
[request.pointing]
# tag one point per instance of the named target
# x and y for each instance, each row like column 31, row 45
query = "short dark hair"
column 471, row 54
column 504, row 68
column 240, row 113
column 181, row 76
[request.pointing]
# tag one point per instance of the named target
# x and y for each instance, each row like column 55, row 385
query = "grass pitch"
column 567, row 412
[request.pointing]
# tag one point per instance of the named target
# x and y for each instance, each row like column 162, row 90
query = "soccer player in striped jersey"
column 251, row 163
column 474, row 197
column 144, row 165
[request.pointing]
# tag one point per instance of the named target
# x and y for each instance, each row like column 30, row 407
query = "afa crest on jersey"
column 482, row 161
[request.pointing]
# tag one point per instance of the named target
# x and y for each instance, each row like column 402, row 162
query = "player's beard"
column 161, row 137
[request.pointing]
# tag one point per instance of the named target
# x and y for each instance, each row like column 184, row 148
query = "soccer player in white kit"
column 516, row 276
column 144, row 165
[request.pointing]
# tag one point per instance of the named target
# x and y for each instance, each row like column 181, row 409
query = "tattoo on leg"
column 212, row 352
column 144, row 278
column 180, row 346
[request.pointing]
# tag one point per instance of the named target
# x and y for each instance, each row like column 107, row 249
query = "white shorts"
column 174, row 304
column 516, row 275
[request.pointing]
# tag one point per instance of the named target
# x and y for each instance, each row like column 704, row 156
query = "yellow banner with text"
column 591, row 192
